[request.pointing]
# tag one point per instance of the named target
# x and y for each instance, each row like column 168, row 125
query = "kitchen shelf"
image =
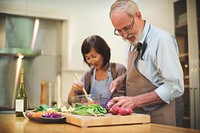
column 187, row 86
column 186, row 118
column 183, row 55
column 186, row 77
column 16, row 52
column 181, row 25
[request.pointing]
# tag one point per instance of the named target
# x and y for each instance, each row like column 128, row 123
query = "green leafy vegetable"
column 91, row 109
column 44, row 107
column 56, row 108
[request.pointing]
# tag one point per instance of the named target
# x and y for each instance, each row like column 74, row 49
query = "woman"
column 97, row 80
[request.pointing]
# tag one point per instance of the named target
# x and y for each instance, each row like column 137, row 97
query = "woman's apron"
column 101, row 87
column 137, row 84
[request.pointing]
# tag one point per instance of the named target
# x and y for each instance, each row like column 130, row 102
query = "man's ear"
column 138, row 15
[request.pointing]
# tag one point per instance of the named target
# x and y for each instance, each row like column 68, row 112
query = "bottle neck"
column 22, row 90
column 21, row 79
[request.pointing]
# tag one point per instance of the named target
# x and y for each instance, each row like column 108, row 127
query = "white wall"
column 84, row 18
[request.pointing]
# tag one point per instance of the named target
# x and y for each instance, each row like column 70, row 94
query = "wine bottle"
column 21, row 103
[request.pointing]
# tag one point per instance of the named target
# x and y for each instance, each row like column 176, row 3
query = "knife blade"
column 108, row 99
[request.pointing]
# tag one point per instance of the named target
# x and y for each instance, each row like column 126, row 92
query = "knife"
column 108, row 99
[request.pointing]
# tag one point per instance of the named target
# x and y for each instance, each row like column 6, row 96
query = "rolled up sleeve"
column 171, row 72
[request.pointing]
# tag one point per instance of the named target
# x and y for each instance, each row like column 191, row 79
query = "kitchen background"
column 55, row 52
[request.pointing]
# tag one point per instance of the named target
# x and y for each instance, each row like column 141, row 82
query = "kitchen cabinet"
column 46, row 66
column 187, row 16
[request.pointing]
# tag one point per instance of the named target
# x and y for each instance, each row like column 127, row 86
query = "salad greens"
column 44, row 107
column 91, row 109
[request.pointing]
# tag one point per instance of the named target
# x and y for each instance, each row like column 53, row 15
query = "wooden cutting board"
column 108, row 119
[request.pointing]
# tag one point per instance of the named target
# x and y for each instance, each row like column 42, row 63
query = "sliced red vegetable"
column 52, row 115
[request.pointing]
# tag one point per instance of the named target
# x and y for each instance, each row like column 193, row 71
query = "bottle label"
column 19, row 107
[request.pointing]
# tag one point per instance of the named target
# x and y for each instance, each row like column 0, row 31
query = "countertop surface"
column 9, row 123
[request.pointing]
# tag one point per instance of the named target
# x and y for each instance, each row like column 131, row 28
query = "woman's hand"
column 77, row 85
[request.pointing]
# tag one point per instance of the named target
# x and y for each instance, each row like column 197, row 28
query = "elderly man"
column 154, row 78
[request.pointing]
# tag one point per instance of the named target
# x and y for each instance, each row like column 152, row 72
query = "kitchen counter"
column 11, row 124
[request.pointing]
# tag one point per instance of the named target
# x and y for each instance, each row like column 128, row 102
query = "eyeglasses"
column 126, row 29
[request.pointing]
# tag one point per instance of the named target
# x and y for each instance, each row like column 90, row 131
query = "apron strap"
column 91, row 76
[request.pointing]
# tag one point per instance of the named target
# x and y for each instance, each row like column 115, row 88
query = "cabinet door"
column 181, row 34
column 196, row 32
column 193, row 62
column 186, row 31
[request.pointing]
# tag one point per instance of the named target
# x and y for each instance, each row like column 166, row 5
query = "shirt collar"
column 144, row 33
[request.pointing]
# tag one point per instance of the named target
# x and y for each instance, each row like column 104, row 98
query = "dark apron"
column 137, row 84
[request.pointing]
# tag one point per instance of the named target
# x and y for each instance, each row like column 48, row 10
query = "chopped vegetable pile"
column 52, row 114
column 91, row 109
column 44, row 110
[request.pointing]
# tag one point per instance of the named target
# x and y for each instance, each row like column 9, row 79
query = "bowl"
column 83, row 99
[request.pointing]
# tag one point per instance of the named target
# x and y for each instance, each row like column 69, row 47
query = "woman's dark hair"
column 100, row 46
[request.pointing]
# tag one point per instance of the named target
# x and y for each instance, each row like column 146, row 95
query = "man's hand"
column 123, row 101
column 135, row 101
column 117, row 83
